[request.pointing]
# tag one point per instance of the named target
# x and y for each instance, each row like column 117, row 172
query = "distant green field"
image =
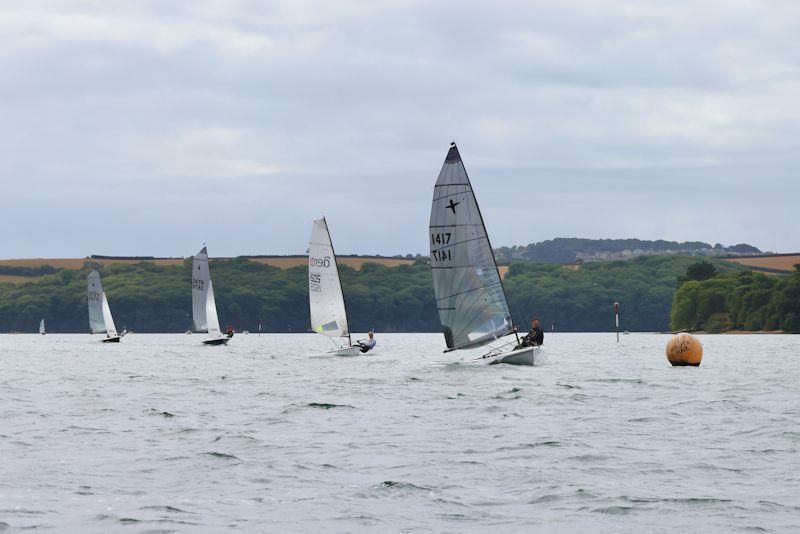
column 25, row 270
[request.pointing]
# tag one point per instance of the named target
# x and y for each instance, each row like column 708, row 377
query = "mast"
column 339, row 277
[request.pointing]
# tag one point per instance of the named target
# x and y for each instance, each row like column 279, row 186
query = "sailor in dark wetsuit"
column 229, row 332
column 535, row 337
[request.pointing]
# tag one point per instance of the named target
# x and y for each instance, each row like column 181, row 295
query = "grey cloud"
column 238, row 123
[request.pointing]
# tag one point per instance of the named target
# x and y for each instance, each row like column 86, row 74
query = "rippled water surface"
column 159, row 434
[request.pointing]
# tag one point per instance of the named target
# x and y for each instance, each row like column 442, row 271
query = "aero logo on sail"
column 323, row 263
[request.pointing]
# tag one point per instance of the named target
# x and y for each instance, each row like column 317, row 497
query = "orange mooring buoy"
column 684, row 349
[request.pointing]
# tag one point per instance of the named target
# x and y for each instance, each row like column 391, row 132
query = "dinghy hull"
column 526, row 356
column 218, row 341
column 114, row 339
column 346, row 351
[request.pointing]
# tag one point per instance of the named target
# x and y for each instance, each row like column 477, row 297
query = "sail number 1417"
column 441, row 239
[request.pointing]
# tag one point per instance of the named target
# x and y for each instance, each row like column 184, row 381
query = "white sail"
column 204, row 307
column 326, row 302
column 100, row 320
column 41, row 326
column 111, row 330
column 469, row 292
column 212, row 321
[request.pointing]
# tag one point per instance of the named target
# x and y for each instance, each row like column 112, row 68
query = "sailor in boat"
column 229, row 331
column 535, row 337
column 368, row 344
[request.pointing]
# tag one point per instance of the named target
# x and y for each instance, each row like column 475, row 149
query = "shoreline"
column 732, row 332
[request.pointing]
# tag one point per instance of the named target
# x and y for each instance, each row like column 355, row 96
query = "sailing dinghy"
column 204, row 307
column 469, row 292
column 41, row 327
column 100, row 319
column 325, row 298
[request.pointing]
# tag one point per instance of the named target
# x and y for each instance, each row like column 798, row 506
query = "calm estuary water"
column 159, row 434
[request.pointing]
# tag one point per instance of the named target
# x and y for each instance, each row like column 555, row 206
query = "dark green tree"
column 702, row 270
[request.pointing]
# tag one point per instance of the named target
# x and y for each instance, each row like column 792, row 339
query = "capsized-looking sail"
column 204, row 307
column 469, row 292
column 326, row 302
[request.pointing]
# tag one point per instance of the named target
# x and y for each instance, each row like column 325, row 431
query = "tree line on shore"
column 150, row 298
column 751, row 301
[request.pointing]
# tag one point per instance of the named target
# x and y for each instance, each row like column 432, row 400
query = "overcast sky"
column 150, row 129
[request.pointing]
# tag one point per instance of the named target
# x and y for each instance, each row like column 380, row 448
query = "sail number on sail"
column 441, row 239
column 198, row 284
column 442, row 255
column 94, row 296
column 314, row 282
column 315, row 279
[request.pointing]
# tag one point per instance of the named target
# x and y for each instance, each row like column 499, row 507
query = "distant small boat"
column 41, row 327
column 325, row 298
column 100, row 319
column 469, row 291
column 204, row 307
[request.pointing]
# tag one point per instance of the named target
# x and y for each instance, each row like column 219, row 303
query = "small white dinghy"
column 469, row 291
column 100, row 319
column 204, row 307
column 42, row 331
column 523, row 356
column 325, row 298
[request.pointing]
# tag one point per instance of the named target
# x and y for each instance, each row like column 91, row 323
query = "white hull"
column 526, row 356
column 345, row 351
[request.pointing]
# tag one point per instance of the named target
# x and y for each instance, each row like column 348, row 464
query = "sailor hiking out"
column 535, row 337
column 368, row 344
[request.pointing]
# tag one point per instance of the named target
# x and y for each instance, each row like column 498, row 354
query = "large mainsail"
column 326, row 302
column 100, row 320
column 469, row 292
column 204, row 307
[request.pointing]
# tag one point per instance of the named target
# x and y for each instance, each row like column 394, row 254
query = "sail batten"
column 470, row 299
column 325, row 297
